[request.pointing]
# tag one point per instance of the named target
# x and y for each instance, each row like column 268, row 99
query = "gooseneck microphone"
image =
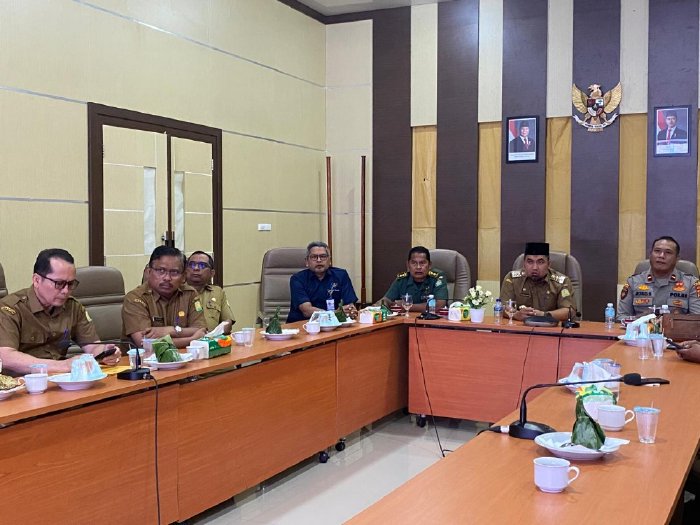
column 524, row 429
column 134, row 374
column 569, row 322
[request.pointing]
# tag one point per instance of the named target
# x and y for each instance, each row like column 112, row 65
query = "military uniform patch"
column 642, row 287
column 565, row 293
column 402, row 275
column 8, row 310
column 679, row 287
column 197, row 307
column 140, row 301
column 516, row 273
column 625, row 290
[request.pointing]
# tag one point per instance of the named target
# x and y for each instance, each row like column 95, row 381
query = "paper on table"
column 113, row 370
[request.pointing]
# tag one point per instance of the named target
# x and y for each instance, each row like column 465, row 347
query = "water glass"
column 407, row 303
column 615, row 370
column 249, row 336
column 658, row 343
column 647, row 421
column 644, row 349
column 39, row 368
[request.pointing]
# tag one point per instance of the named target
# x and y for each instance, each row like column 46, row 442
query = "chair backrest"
column 101, row 292
column 278, row 265
column 569, row 266
column 684, row 266
column 3, row 284
column 456, row 269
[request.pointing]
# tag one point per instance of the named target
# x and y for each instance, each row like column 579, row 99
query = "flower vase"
column 476, row 315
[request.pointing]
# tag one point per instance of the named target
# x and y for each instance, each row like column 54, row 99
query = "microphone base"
column 528, row 430
column 570, row 324
column 134, row 375
column 428, row 316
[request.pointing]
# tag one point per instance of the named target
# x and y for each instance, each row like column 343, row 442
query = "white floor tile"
column 376, row 460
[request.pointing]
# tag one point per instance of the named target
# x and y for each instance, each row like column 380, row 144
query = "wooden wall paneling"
column 558, row 182
column 457, row 117
column 594, row 177
column 489, row 202
column 423, row 177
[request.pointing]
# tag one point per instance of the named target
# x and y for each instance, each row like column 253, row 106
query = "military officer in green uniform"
column 38, row 324
column 662, row 283
column 164, row 304
column 536, row 288
column 200, row 272
column 419, row 281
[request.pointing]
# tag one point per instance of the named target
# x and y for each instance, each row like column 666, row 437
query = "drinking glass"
column 407, row 303
column 510, row 310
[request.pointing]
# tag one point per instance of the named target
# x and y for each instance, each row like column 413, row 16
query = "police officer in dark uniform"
column 419, row 281
column 38, row 324
column 537, row 289
column 662, row 283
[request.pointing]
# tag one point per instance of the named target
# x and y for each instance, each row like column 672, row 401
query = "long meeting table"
column 91, row 456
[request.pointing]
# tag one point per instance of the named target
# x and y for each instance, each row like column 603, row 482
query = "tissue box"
column 370, row 316
column 458, row 313
column 213, row 346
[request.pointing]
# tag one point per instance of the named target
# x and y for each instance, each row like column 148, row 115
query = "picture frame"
column 522, row 139
column 672, row 131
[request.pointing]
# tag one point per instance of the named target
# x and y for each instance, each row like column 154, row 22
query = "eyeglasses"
column 195, row 265
column 419, row 263
column 162, row 272
column 60, row 285
column 321, row 257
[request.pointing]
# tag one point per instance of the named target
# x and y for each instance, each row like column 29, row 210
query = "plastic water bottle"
column 664, row 309
column 498, row 311
column 431, row 304
column 609, row 316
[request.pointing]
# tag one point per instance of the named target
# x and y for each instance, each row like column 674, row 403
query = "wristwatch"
column 178, row 329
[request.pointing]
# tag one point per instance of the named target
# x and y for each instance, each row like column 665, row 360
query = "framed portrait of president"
column 522, row 140
column 672, row 131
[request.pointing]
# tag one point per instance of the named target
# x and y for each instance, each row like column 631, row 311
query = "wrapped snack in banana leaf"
column 340, row 313
column 587, row 431
column 165, row 351
column 275, row 326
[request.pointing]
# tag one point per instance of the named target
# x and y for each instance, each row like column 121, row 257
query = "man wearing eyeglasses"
column 38, row 324
column 321, row 286
column 200, row 272
column 164, row 304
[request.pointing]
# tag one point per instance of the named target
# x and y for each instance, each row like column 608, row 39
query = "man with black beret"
column 536, row 288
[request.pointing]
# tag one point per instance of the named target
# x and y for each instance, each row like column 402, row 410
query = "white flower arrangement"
column 477, row 297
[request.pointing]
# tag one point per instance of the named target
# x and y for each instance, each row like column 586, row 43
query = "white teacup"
column 36, row 383
column 614, row 417
column 552, row 474
column 312, row 327
column 240, row 337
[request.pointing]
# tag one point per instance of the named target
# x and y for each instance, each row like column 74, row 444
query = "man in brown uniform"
column 541, row 290
column 39, row 323
column 164, row 305
column 200, row 272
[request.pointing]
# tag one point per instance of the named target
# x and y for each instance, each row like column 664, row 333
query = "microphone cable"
column 155, row 434
column 425, row 388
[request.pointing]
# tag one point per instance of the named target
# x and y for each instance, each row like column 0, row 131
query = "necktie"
column 668, row 134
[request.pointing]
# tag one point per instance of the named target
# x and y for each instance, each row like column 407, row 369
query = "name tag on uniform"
column 157, row 319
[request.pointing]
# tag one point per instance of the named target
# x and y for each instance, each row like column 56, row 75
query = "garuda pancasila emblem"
column 597, row 106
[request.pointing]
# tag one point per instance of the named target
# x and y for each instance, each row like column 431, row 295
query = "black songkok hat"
column 537, row 248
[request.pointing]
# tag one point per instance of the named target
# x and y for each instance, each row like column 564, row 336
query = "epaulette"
column 558, row 277
column 516, row 273
column 402, row 275
column 673, row 277
column 432, row 273
column 8, row 309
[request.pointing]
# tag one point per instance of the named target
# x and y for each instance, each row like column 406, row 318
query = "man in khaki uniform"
column 200, row 272
column 537, row 289
column 164, row 305
column 38, row 324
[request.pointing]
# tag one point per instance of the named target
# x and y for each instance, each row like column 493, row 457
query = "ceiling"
column 339, row 7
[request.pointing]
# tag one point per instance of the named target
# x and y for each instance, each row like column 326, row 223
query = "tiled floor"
column 375, row 461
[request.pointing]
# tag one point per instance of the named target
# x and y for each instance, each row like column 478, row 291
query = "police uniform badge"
column 197, row 307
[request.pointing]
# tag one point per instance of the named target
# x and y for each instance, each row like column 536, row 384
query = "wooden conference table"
column 490, row 479
column 90, row 456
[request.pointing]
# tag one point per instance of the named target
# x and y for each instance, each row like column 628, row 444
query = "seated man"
column 662, row 283
column 200, row 272
column 164, row 304
column 419, row 281
column 39, row 323
column 537, row 289
column 321, row 286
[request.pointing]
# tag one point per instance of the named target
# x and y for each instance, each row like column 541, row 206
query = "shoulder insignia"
column 560, row 278
column 697, row 288
column 140, row 301
column 432, row 273
column 674, row 277
column 650, row 278
column 516, row 273
column 625, row 290
column 679, row 287
column 565, row 292
column 402, row 275
column 87, row 316
column 8, row 309
column 197, row 307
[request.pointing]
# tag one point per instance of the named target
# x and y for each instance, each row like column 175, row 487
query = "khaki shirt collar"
column 36, row 307
column 179, row 291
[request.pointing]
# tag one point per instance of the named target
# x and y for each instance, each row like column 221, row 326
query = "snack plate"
column 152, row 362
column 329, row 328
column 4, row 394
column 347, row 323
column 287, row 333
column 632, row 342
column 64, row 381
column 553, row 442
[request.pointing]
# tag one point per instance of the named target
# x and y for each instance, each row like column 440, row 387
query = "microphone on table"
column 524, row 429
column 427, row 314
column 569, row 322
column 134, row 374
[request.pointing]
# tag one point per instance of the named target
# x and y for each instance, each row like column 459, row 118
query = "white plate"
column 633, row 342
column 4, row 394
column 329, row 328
column 64, row 381
column 151, row 361
column 287, row 333
column 349, row 322
column 392, row 314
column 554, row 441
